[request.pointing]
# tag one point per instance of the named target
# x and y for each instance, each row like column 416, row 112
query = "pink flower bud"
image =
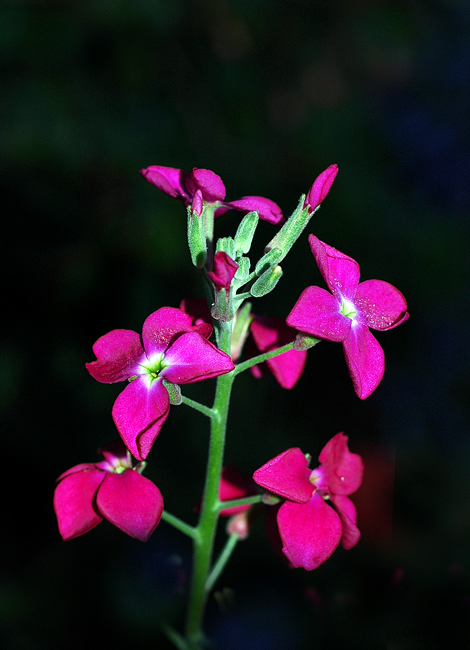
column 320, row 188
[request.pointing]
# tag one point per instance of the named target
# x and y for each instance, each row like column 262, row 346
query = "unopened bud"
column 266, row 282
column 245, row 232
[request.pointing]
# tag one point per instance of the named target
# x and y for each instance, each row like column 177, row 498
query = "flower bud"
column 245, row 232
column 197, row 231
column 266, row 282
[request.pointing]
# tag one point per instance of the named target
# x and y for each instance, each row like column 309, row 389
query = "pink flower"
column 224, row 271
column 309, row 527
column 320, row 188
column 184, row 186
column 172, row 348
column 272, row 333
column 347, row 313
column 112, row 490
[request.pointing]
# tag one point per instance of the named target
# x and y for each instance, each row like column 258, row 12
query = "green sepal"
column 139, row 468
column 266, row 282
column 226, row 245
column 197, row 238
column 174, row 392
column 286, row 237
column 269, row 259
column 243, row 271
column 245, row 232
column 242, row 322
column 304, row 341
column 223, row 308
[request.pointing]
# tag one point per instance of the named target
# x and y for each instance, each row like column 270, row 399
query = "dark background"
column 267, row 93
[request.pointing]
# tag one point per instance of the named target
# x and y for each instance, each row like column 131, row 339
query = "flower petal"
column 365, row 359
column 210, row 184
column 286, row 475
column 118, row 356
column 131, row 502
column 199, row 311
column 382, row 305
column 267, row 209
column 340, row 272
column 270, row 334
column 342, row 471
column 139, row 413
column 169, row 180
column 310, row 532
column 347, row 512
column 193, row 358
column 224, row 271
column 161, row 327
column 318, row 313
column 73, row 502
column 321, row 186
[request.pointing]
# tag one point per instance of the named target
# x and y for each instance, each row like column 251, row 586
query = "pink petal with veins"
column 210, row 184
column 317, row 312
column 340, row 272
column 365, row 359
column 270, row 334
column 118, row 356
column 193, row 358
column 347, row 512
column 310, row 532
column 267, row 209
column 161, row 327
column 286, row 475
column 131, row 502
column 169, row 180
column 139, row 413
column 383, row 306
column 342, row 471
column 73, row 502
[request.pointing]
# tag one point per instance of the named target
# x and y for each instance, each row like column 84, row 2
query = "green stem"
column 222, row 560
column 236, row 503
column 262, row 357
column 197, row 406
column 205, row 531
column 180, row 525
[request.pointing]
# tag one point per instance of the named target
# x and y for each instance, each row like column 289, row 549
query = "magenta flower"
column 309, row 527
column 184, row 186
column 320, row 188
column 172, row 348
column 272, row 333
column 112, row 490
column 347, row 313
column 224, row 271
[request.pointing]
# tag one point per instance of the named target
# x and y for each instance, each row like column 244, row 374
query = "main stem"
column 203, row 541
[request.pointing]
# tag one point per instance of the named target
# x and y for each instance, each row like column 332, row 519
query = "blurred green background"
column 266, row 93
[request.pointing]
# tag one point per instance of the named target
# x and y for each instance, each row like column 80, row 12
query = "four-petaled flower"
column 112, row 490
column 270, row 333
column 184, row 186
column 309, row 527
column 347, row 313
column 173, row 349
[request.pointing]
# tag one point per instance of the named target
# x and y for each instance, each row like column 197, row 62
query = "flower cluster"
column 175, row 349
